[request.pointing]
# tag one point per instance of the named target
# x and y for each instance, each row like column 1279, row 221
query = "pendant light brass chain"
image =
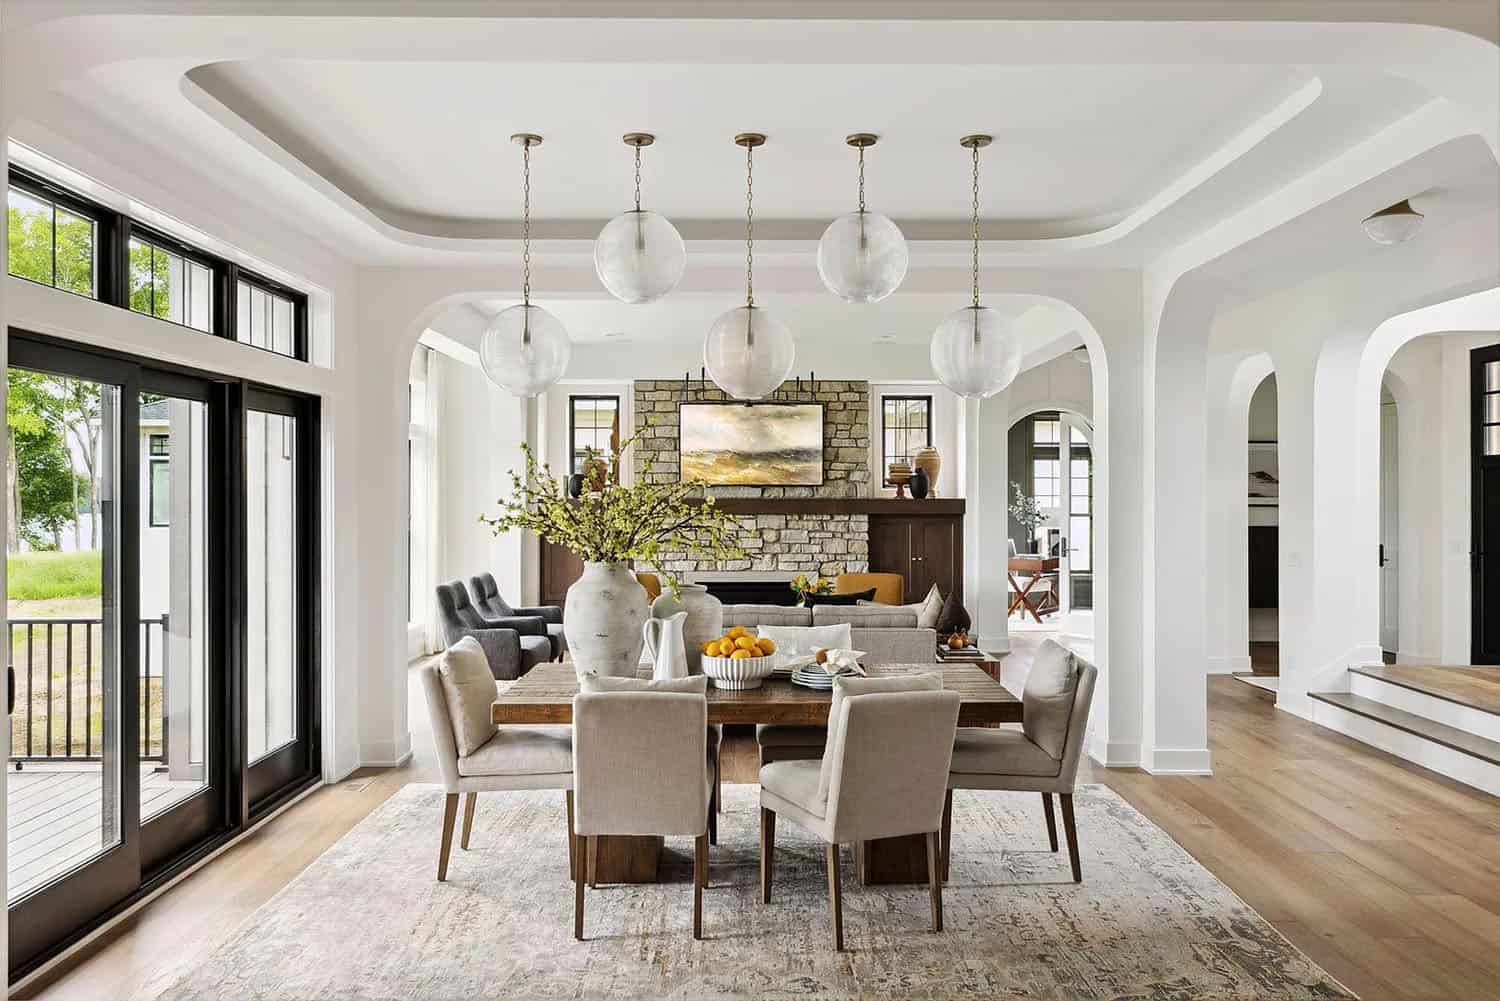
column 749, row 225
column 974, row 226
column 637, row 178
column 526, row 224
column 861, row 180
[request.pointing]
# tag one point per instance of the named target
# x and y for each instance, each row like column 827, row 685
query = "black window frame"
column 885, row 457
column 113, row 233
column 573, row 400
column 104, row 225
column 154, row 459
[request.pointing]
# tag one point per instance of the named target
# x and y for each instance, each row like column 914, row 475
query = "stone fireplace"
column 788, row 542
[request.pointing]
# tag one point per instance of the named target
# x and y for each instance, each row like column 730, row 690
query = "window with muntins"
column 905, row 428
column 50, row 243
column 64, row 240
column 170, row 286
column 593, row 423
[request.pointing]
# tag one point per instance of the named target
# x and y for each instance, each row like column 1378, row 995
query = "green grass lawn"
column 40, row 576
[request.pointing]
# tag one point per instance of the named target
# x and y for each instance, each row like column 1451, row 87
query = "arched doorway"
column 1051, row 472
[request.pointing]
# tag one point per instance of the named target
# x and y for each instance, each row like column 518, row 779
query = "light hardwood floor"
column 1385, row 874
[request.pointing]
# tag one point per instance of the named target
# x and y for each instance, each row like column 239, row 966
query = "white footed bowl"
column 738, row 675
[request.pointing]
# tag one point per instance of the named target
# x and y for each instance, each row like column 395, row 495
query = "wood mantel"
column 935, row 507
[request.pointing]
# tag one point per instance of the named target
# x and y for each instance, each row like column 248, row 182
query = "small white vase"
column 664, row 647
column 705, row 619
column 602, row 621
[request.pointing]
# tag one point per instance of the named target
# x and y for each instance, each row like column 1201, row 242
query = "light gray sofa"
column 887, row 634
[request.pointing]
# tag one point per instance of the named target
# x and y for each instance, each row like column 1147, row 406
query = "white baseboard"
column 1455, row 765
column 1115, row 754
column 1178, row 761
column 386, row 753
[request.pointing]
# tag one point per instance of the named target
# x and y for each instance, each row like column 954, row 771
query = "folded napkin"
column 836, row 663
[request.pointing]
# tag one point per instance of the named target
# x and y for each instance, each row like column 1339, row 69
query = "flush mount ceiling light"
column 1393, row 225
column 525, row 349
column 748, row 353
column 862, row 256
column 975, row 352
column 639, row 255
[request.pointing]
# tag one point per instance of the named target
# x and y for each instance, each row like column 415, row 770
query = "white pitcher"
column 665, row 646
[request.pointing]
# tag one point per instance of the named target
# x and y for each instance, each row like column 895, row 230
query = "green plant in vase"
column 610, row 528
column 1025, row 511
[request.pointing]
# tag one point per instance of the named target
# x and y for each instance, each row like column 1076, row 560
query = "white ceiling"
column 1079, row 147
column 386, row 137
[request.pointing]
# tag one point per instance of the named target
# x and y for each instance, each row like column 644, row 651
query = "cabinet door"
column 560, row 568
column 891, row 548
column 935, row 546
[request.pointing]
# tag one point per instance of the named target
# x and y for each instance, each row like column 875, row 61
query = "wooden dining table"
column 545, row 696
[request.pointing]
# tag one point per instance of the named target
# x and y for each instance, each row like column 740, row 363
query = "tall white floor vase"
column 604, row 613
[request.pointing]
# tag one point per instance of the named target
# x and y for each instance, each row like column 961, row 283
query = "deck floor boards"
column 55, row 817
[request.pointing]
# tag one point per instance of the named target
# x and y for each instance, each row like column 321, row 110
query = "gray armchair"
column 491, row 605
column 513, row 645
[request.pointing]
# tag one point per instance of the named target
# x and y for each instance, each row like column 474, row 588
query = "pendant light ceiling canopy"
column 639, row 255
column 1393, row 225
column 975, row 352
column 525, row 349
column 748, row 352
column 862, row 256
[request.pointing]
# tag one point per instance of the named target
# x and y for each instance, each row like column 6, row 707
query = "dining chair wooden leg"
column 572, row 841
column 1071, row 830
column 470, row 802
column 700, row 880
column 719, row 779
column 713, row 809
column 934, row 880
column 578, row 889
column 767, row 852
column 1051, row 820
column 835, row 898
column 947, row 835
column 593, row 860
column 450, row 814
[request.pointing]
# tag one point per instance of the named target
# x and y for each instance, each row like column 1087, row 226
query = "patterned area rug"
column 368, row 921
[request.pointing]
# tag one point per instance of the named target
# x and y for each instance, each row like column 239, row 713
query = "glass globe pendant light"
column 748, row 353
column 974, row 351
column 862, row 256
column 525, row 349
column 639, row 255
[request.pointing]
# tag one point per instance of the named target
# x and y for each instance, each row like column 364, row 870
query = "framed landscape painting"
column 751, row 445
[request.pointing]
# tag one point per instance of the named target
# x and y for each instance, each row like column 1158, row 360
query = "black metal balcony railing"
column 58, row 667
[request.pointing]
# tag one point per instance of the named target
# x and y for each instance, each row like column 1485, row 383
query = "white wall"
column 947, row 426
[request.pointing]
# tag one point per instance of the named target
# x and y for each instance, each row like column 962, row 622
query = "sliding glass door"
column 73, row 792
column 161, row 568
column 280, row 548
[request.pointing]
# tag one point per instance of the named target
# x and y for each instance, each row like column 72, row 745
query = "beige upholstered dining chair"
column 1042, row 756
column 474, row 755
column 890, row 741
column 642, row 766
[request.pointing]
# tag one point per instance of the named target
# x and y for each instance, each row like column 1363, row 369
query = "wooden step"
column 1418, row 726
column 1474, row 687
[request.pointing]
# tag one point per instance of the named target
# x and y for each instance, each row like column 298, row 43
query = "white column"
column 1174, row 707
column 987, row 489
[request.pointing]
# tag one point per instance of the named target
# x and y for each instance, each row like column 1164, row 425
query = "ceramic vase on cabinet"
column 929, row 461
column 605, row 610
column 705, row 619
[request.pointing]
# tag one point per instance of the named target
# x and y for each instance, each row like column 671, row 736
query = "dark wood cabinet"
column 926, row 550
column 559, row 569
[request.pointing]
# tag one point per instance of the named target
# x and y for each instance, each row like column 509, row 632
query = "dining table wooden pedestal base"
column 892, row 860
column 620, row 858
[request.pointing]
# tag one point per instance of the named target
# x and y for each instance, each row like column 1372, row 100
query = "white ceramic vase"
column 705, row 619
column 604, row 613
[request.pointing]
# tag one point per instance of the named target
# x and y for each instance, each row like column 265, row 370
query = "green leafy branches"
column 613, row 522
